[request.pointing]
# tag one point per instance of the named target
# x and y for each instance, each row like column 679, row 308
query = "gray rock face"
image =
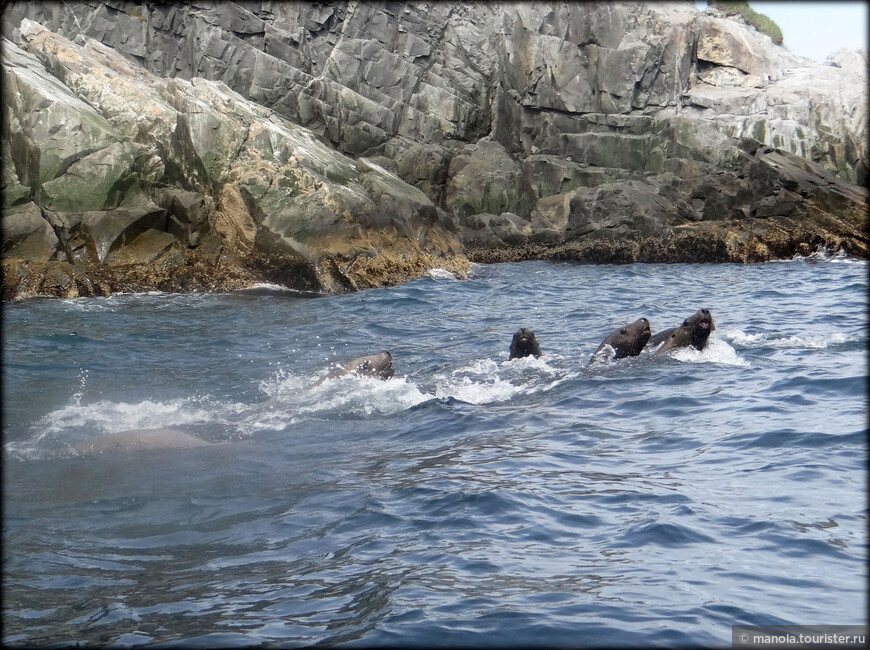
column 349, row 145
column 168, row 183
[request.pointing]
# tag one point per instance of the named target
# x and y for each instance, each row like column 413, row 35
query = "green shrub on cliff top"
column 761, row 22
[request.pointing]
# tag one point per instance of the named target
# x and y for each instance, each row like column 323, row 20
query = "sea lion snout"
column 525, row 336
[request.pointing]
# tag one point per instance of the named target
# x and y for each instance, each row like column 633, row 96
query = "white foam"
column 816, row 341
column 283, row 383
column 811, row 341
column 822, row 254
column 538, row 363
column 292, row 396
column 363, row 395
column 604, row 355
column 268, row 286
column 716, row 351
column 75, row 422
column 476, row 392
column 441, row 274
column 87, row 304
column 481, row 381
column 486, row 367
column 742, row 338
column 108, row 417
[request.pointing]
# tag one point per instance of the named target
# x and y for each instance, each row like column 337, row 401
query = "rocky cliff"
column 342, row 146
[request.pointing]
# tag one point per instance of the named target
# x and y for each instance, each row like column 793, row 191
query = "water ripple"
column 470, row 500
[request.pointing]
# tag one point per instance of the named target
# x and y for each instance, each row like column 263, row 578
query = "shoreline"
column 485, row 257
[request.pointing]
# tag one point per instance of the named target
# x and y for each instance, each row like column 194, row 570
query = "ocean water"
column 468, row 501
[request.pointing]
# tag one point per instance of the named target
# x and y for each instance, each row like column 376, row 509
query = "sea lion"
column 627, row 341
column 694, row 332
column 378, row 365
column 139, row 440
column 524, row 344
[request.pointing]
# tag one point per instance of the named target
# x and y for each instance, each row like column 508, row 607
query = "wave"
column 293, row 398
column 123, row 300
column 441, row 274
column 716, row 351
column 270, row 289
column 776, row 340
column 289, row 399
column 57, row 432
column 267, row 286
column 485, row 381
column 822, row 254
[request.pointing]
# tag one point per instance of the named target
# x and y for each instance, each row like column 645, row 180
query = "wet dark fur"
column 627, row 341
column 524, row 344
column 378, row 365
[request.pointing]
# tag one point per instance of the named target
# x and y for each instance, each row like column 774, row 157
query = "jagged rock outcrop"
column 144, row 182
column 335, row 147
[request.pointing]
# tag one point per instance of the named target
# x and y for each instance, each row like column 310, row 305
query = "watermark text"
column 798, row 637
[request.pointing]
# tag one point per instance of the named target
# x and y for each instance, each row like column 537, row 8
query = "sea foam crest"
column 475, row 392
column 475, row 383
column 362, row 395
column 108, row 417
column 716, row 351
column 822, row 254
column 767, row 339
column 268, row 286
column 293, row 397
column 75, row 422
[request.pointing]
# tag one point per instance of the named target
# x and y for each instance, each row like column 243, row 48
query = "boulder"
column 26, row 234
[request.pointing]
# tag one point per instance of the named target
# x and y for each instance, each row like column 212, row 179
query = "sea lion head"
column 378, row 365
column 627, row 341
column 694, row 332
column 524, row 344
column 701, row 326
column 632, row 338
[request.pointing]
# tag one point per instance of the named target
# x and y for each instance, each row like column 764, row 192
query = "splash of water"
column 716, row 351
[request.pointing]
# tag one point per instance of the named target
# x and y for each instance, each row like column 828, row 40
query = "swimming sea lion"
column 524, row 344
column 627, row 341
column 694, row 332
column 140, row 440
column 378, row 365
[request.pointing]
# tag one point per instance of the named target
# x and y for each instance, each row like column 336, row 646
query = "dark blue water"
column 469, row 500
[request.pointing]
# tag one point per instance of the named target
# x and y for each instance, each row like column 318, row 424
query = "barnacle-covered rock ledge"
column 211, row 146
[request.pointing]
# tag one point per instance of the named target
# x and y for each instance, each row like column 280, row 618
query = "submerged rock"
column 334, row 148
